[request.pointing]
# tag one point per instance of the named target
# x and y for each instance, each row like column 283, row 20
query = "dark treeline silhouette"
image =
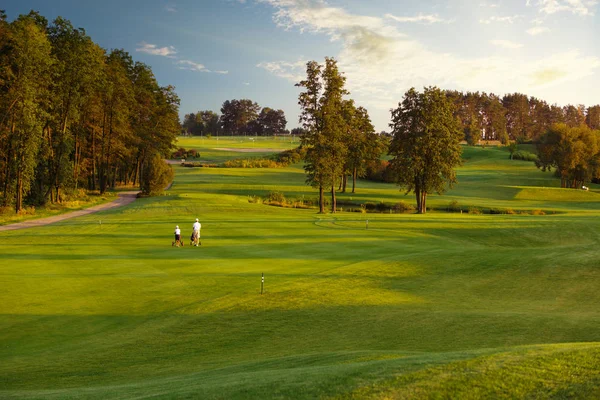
column 515, row 116
column 239, row 118
column 73, row 115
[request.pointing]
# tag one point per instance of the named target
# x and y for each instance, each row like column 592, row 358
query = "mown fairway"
column 444, row 304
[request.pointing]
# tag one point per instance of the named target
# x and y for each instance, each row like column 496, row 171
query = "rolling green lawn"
column 442, row 305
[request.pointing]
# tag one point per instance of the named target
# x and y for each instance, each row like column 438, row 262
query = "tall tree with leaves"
column 322, row 118
column 26, row 63
column 426, row 144
column 592, row 117
column 518, row 122
column 364, row 145
column 271, row 122
column 311, row 121
column 334, row 124
column 236, row 116
column 572, row 151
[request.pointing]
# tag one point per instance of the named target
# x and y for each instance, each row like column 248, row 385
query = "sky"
column 217, row 50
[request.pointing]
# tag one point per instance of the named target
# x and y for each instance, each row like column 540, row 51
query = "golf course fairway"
column 442, row 305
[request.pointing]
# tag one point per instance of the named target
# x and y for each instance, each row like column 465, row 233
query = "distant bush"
column 453, row 206
column 475, row 210
column 524, row 155
column 183, row 153
column 379, row 171
column 502, row 211
column 402, row 206
column 252, row 163
column 537, row 212
column 275, row 196
column 291, row 156
column 254, row 199
column 196, row 164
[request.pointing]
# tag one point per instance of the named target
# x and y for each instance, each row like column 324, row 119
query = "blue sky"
column 219, row 50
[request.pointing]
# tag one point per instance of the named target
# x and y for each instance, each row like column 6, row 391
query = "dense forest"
column 73, row 115
column 515, row 116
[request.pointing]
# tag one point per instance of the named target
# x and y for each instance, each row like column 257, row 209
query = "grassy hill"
column 443, row 304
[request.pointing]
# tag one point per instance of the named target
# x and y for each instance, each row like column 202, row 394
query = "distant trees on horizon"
column 517, row 117
column 73, row 115
column 238, row 118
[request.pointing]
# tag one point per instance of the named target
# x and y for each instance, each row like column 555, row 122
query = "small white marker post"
column 262, row 283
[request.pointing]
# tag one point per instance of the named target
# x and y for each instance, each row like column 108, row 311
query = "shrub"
column 27, row 211
column 276, row 197
column 292, row 156
column 524, row 155
column 251, row 163
column 192, row 153
column 474, row 210
column 254, row 199
column 402, row 206
column 453, row 206
column 379, row 171
column 537, row 212
column 157, row 176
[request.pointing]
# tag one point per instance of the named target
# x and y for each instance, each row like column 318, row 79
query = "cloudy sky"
column 215, row 50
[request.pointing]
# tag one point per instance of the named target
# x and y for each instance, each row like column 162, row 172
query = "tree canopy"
column 426, row 143
column 574, row 152
column 73, row 115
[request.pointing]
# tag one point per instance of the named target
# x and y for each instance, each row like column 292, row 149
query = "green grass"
column 433, row 306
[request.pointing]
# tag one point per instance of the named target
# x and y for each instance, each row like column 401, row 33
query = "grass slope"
column 413, row 307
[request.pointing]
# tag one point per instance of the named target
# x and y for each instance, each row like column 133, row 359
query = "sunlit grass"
column 442, row 304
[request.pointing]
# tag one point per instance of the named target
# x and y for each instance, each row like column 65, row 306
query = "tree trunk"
column 19, row 193
column 418, row 196
column 321, row 200
column 333, row 200
column 424, row 202
column 354, row 174
column 93, row 180
column 344, row 183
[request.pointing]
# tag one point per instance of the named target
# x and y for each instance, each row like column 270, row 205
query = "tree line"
column 237, row 118
column 517, row 117
column 73, row 115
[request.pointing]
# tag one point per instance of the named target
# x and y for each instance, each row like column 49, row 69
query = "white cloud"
column 577, row 7
column 537, row 30
column 507, row 19
column 381, row 63
column 507, row 44
column 246, row 83
column 194, row 66
column 148, row 48
column 170, row 8
column 292, row 71
column 426, row 19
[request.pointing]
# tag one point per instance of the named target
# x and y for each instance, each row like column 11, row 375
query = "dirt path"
column 123, row 199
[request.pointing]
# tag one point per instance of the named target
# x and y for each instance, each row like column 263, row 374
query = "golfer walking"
column 196, row 232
